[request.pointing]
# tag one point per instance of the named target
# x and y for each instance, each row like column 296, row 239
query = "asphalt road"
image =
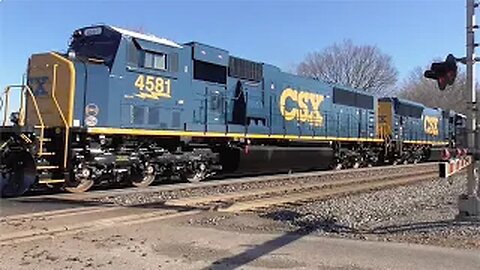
column 173, row 244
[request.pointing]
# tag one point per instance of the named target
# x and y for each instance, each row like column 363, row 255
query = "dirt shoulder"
column 243, row 241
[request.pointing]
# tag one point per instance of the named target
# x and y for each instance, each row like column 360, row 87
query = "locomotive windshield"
column 98, row 44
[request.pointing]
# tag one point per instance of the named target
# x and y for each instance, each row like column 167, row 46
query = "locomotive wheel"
column 145, row 179
column 81, row 183
column 197, row 175
column 19, row 175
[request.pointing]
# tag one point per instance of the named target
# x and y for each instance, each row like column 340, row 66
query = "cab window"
column 155, row 61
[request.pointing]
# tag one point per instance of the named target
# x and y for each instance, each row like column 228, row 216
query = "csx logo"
column 382, row 119
column 306, row 106
column 38, row 85
column 430, row 124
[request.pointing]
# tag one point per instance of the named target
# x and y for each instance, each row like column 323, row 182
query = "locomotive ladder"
column 41, row 127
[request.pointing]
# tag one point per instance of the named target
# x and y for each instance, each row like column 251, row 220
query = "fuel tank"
column 271, row 159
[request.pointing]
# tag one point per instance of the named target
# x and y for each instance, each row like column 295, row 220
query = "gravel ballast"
column 423, row 213
column 257, row 183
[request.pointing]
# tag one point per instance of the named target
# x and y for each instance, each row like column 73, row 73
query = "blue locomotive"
column 125, row 106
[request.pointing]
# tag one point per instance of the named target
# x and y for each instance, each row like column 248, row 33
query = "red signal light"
column 444, row 72
column 442, row 83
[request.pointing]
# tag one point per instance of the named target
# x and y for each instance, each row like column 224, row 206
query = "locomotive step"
column 47, row 167
column 51, row 181
column 47, row 154
column 44, row 162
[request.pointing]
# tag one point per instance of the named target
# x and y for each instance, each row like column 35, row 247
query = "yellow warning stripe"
column 151, row 132
column 427, row 142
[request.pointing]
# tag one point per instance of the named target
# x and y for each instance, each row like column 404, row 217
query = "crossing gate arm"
column 450, row 167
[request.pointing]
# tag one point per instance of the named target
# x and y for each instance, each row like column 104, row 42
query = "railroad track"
column 257, row 199
column 265, row 192
column 226, row 184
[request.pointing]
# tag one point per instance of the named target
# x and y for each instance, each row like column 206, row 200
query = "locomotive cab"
column 59, row 82
column 95, row 45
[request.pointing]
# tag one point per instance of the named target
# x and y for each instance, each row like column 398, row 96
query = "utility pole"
column 469, row 203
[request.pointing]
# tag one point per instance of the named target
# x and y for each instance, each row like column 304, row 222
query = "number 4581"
column 153, row 87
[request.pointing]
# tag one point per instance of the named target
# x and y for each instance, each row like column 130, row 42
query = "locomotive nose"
column 51, row 77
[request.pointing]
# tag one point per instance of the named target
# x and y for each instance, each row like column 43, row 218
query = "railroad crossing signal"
column 443, row 72
column 469, row 202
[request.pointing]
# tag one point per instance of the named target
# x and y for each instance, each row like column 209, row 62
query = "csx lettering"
column 151, row 87
column 430, row 125
column 307, row 107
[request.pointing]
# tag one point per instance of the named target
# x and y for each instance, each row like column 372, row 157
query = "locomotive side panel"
column 356, row 113
column 433, row 125
column 92, row 96
column 301, row 105
column 149, row 90
column 208, row 88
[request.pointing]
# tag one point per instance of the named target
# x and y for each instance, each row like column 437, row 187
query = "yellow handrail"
column 55, row 101
column 24, row 88
column 6, row 107
column 21, row 110
column 60, row 112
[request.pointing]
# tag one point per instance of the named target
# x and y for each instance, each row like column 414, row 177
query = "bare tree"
column 360, row 67
column 419, row 89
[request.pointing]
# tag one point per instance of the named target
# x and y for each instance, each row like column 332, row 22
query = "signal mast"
column 445, row 73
